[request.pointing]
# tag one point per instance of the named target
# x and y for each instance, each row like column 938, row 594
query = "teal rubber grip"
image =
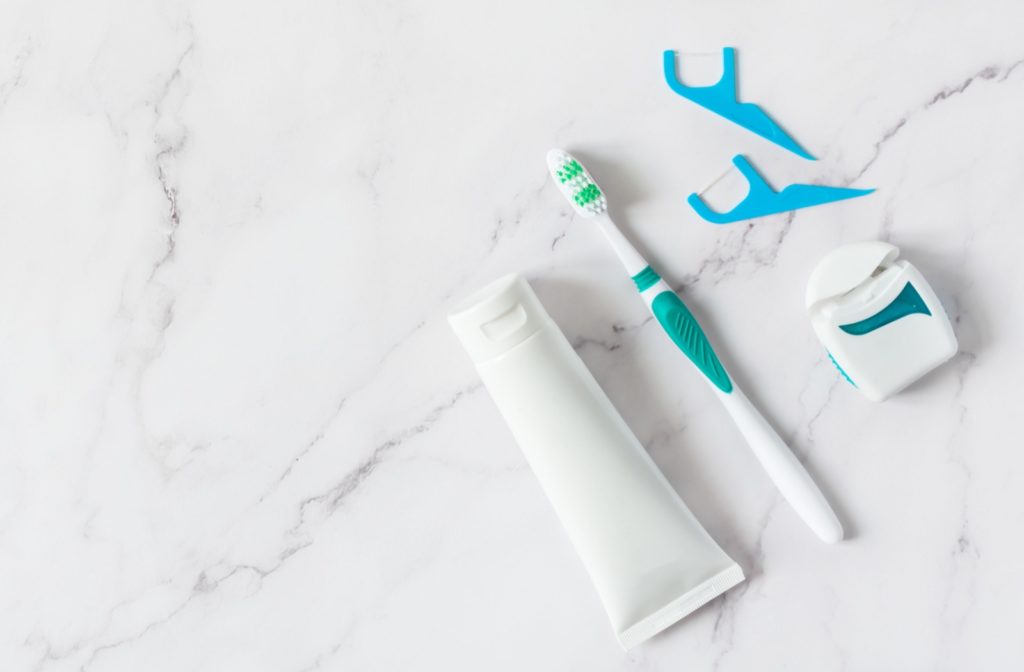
column 645, row 279
column 682, row 327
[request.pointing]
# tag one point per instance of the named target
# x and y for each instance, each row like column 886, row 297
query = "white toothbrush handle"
column 778, row 460
column 783, row 468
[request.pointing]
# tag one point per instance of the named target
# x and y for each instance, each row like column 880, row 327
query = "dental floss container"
column 649, row 558
column 878, row 318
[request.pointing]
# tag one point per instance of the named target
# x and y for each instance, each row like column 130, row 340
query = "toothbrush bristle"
column 576, row 184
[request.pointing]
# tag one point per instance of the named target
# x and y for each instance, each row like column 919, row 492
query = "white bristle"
column 576, row 184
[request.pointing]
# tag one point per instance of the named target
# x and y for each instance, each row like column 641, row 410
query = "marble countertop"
column 237, row 433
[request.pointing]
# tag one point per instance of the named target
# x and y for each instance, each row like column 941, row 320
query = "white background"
column 236, row 432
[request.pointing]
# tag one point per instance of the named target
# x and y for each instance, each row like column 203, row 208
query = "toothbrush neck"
column 627, row 254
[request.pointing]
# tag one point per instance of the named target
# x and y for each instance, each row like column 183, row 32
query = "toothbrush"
column 785, row 470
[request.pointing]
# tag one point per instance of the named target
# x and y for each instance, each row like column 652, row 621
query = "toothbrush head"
column 576, row 184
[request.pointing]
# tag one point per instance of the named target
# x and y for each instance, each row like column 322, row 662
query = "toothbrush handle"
column 783, row 468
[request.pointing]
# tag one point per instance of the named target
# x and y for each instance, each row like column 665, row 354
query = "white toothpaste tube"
column 649, row 558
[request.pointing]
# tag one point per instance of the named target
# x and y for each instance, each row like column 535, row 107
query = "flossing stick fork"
column 721, row 99
column 762, row 200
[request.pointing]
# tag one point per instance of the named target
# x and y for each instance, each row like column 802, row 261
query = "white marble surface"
column 236, row 432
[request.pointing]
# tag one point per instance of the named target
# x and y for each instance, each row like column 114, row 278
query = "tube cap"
column 499, row 317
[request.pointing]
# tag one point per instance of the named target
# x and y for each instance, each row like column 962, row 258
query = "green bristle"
column 587, row 194
column 569, row 171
